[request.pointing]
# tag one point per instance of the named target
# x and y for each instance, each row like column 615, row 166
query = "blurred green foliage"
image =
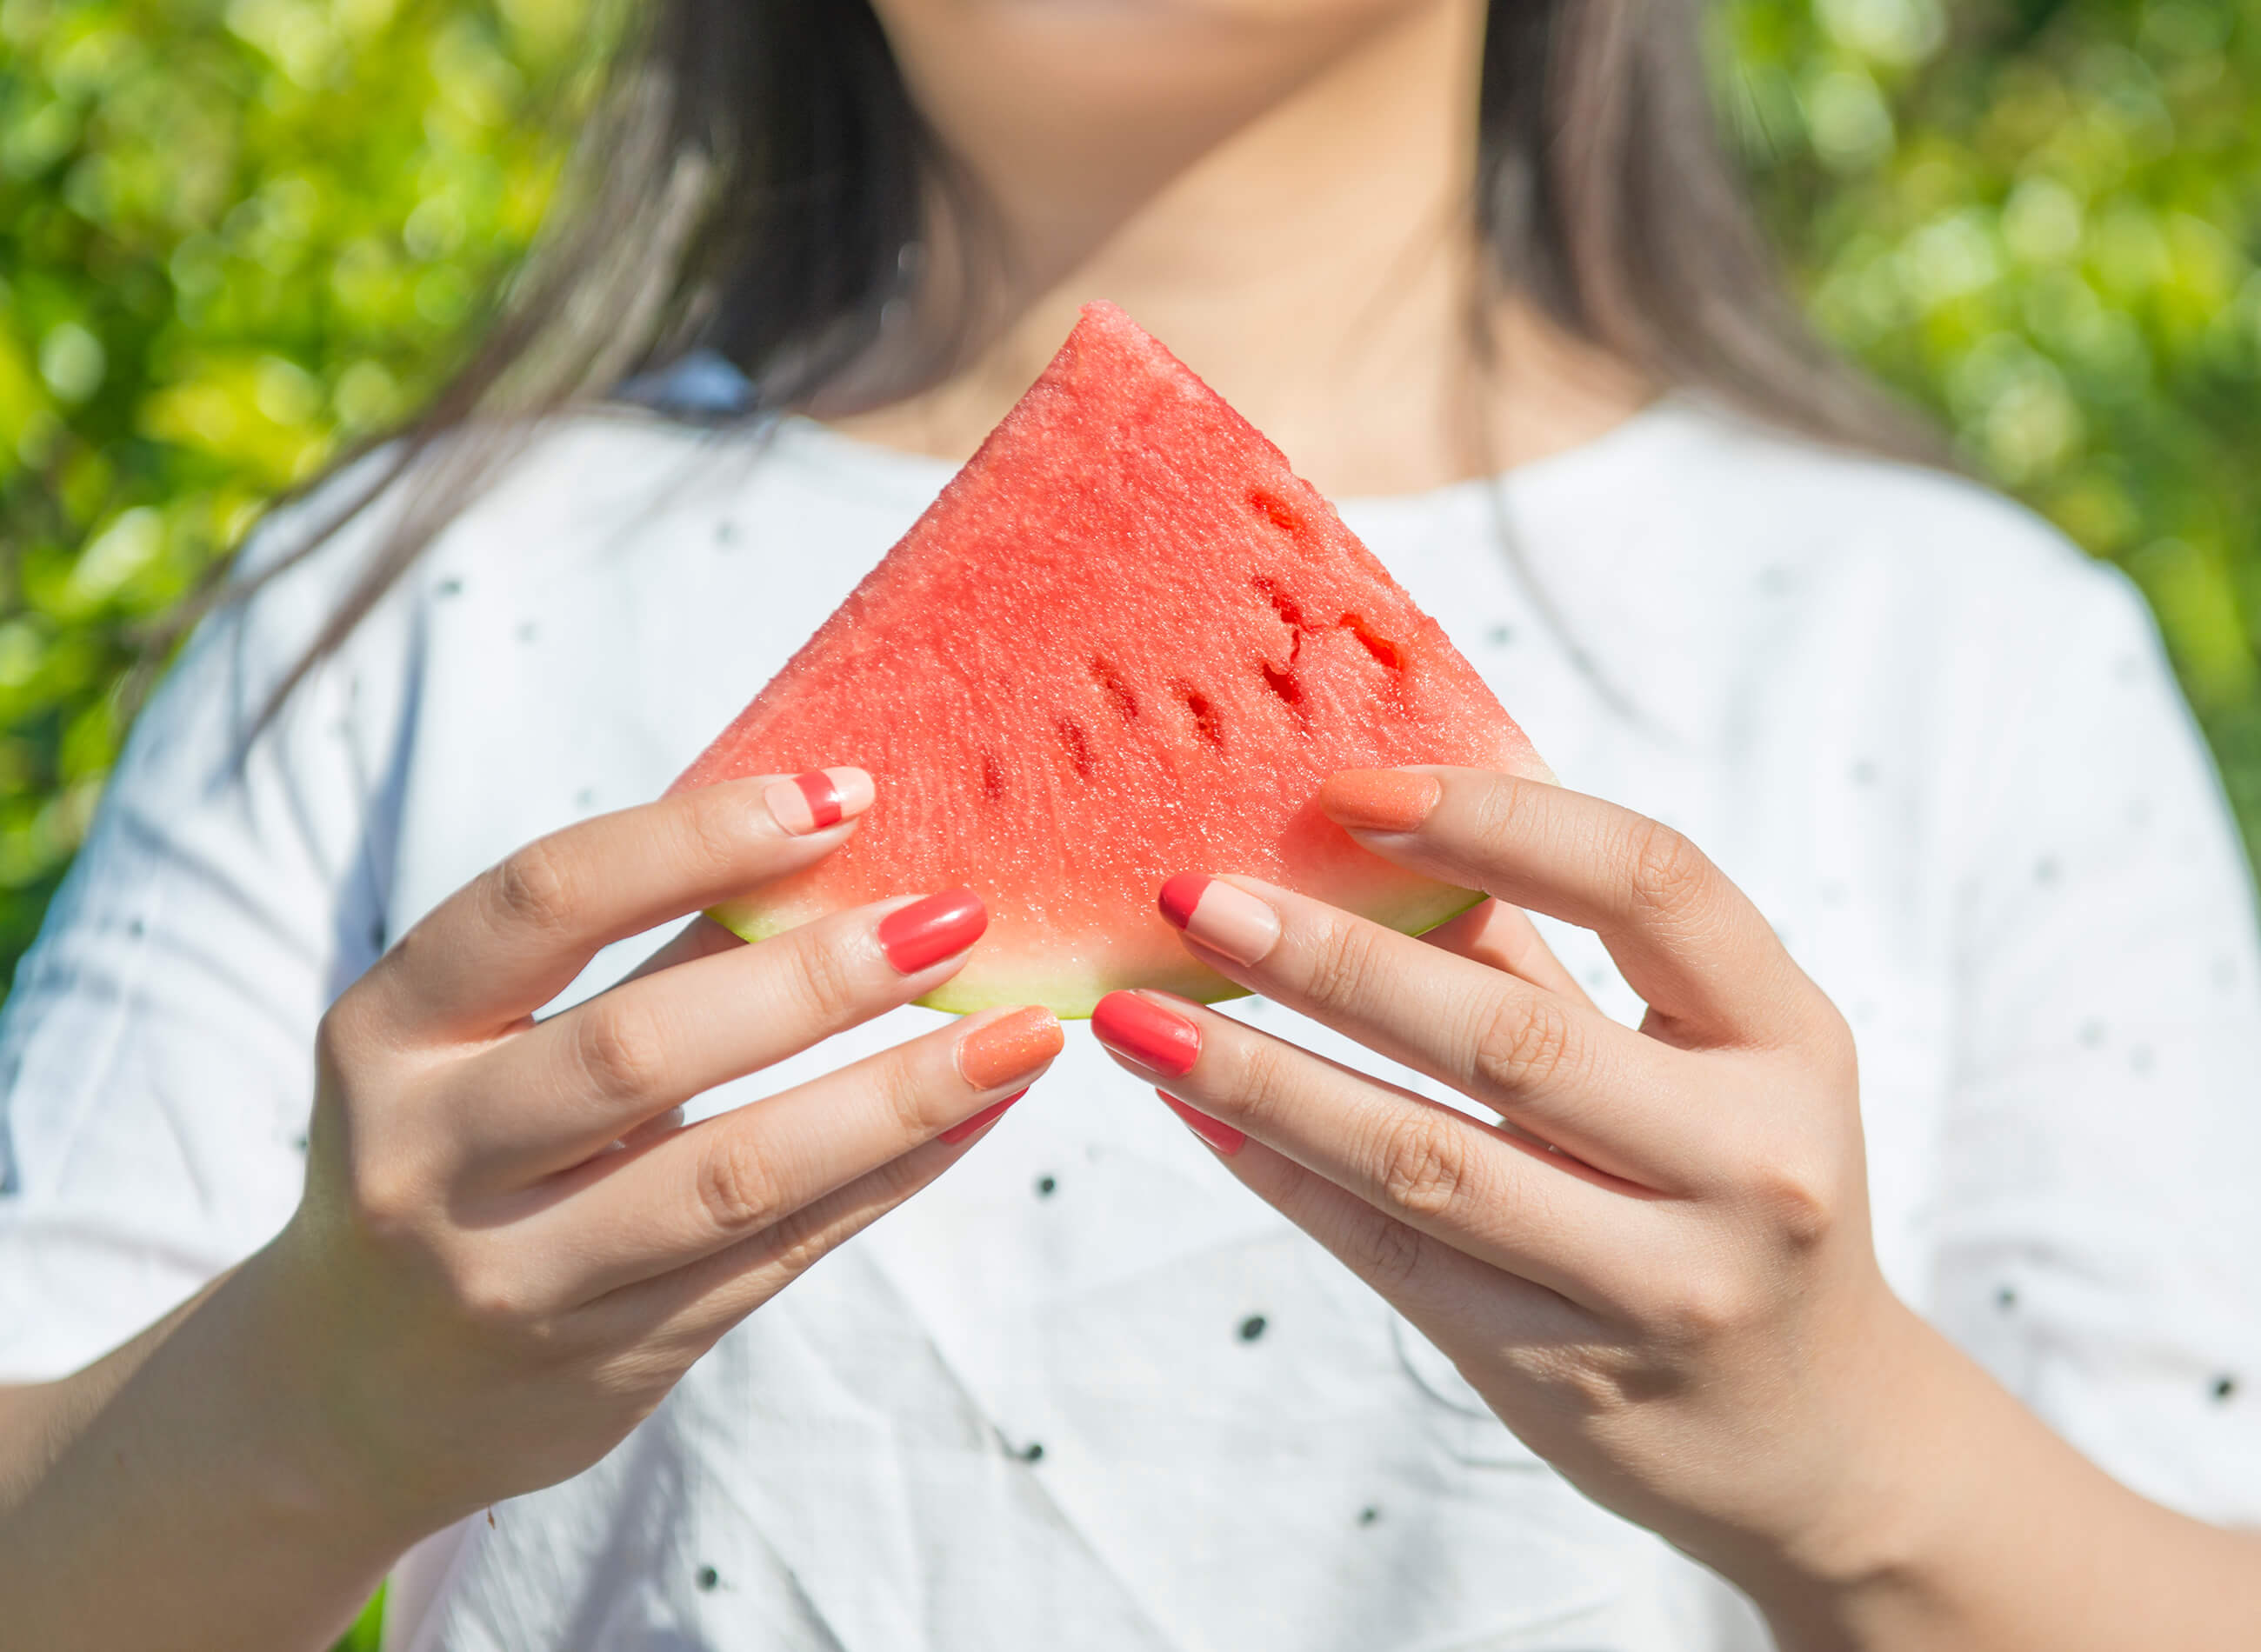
column 237, row 234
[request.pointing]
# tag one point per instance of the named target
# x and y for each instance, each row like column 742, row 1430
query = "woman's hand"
column 1657, row 1267
column 509, row 1248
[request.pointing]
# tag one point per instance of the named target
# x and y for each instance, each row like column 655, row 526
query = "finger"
column 1558, row 1069
column 567, row 1088
column 1506, row 1204
column 1439, row 1287
column 1686, row 939
column 695, row 1304
column 1503, row 937
column 516, row 935
column 636, row 1216
column 701, row 937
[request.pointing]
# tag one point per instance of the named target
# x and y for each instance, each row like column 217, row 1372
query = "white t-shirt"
column 1087, row 1391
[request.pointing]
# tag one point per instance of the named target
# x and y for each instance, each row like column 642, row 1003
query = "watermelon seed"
column 1384, row 650
column 1291, row 691
column 1204, row 715
column 993, row 778
column 1284, row 605
column 1126, row 703
column 1276, row 510
column 1079, row 749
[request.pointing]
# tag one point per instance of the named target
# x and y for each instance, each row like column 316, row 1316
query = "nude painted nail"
column 1221, row 917
column 1381, row 800
column 1218, row 1134
column 922, row 934
column 996, row 1053
column 1160, row 1041
column 822, row 797
column 967, row 1128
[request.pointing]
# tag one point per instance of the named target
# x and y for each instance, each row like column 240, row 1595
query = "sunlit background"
column 235, row 235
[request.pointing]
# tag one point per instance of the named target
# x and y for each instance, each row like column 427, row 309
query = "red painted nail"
column 1159, row 1040
column 1215, row 1131
column 1180, row 895
column 987, row 1116
column 922, row 934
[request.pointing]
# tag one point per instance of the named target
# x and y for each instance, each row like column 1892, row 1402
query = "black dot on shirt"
column 1865, row 774
column 1251, row 1327
column 2224, row 1388
column 2006, row 1298
column 450, row 587
column 1499, row 637
column 528, row 631
column 707, row 1577
column 2046, row 870
column 1774, row 581
column 2091, row 1033
column 585, row 798
column 376, row 936
column 1368, row 1515
column 299, row 1142
column 136, row 928
column 1046, row 1187
column 726, row 533
column 2140, row 1058
column 1033, row 1452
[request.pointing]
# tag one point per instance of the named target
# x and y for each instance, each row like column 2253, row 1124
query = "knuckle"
column 1705, row 1308
column 489, row 1297
column 621, row 1049
column 711, row 835
column 1526, row 1042
column 738, row 1191
column 912, row 1103
column 1388, row 1253
column 1668, row 873
column 1344, row 960
column 1424, row 1163
column 530, row 889
column 1795, row 1199
column 1260, row 1086
column 829, row 982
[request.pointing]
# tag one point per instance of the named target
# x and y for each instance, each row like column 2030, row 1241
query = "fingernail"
column 1381, row 800
column 980, row 1121
column 998, row 1052
column 1218, row 1134
column 1219, row 917
column 1159, row 1040
column 925, row 932
column 822, row 797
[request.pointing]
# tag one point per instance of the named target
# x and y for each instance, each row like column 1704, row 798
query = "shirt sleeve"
column 2100, row 1224
column 156, row 1050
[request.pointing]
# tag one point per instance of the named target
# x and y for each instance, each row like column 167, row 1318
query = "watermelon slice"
column 1126, row 641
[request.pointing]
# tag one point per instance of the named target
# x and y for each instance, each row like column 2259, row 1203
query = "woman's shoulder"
column 1826, row 515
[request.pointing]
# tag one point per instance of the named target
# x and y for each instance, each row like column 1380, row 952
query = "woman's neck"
column 1295, row 224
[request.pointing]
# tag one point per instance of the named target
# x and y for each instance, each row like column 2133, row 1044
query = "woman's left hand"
column 1657, row 1269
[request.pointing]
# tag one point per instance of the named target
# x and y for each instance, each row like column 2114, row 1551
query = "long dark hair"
column 755, row 181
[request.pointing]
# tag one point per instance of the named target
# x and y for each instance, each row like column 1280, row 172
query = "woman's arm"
column 508, row 1249
column 1658, row 1270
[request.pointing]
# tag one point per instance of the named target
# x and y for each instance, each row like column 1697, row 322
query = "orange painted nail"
column 1014, row 1045
column 1381, row 800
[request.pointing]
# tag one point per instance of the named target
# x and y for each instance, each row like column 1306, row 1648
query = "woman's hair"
column 754, row 183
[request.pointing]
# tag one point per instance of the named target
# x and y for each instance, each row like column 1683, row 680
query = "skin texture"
column 480, row 1293
column 1657, row 1267
column 510, row 1246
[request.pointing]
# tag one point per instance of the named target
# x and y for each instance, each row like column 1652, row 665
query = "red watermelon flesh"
column 1126, row 641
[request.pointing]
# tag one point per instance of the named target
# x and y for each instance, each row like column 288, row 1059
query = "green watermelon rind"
column 752, row 924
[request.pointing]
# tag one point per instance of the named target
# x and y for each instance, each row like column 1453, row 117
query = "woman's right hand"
column 509, row 1248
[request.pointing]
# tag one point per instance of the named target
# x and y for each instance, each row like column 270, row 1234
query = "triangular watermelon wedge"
column 1127, row 641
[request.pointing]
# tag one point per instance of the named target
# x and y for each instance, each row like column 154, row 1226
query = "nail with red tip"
column 1225, row 919
column 1220, row 1136
column 1158, row 1039
column 922, row 934
column 966, row 1130
column 810, row 802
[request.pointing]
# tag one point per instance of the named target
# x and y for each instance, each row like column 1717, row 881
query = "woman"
column 1972, row 1379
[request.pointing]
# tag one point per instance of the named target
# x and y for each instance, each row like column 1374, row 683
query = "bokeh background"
column 235, row 234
